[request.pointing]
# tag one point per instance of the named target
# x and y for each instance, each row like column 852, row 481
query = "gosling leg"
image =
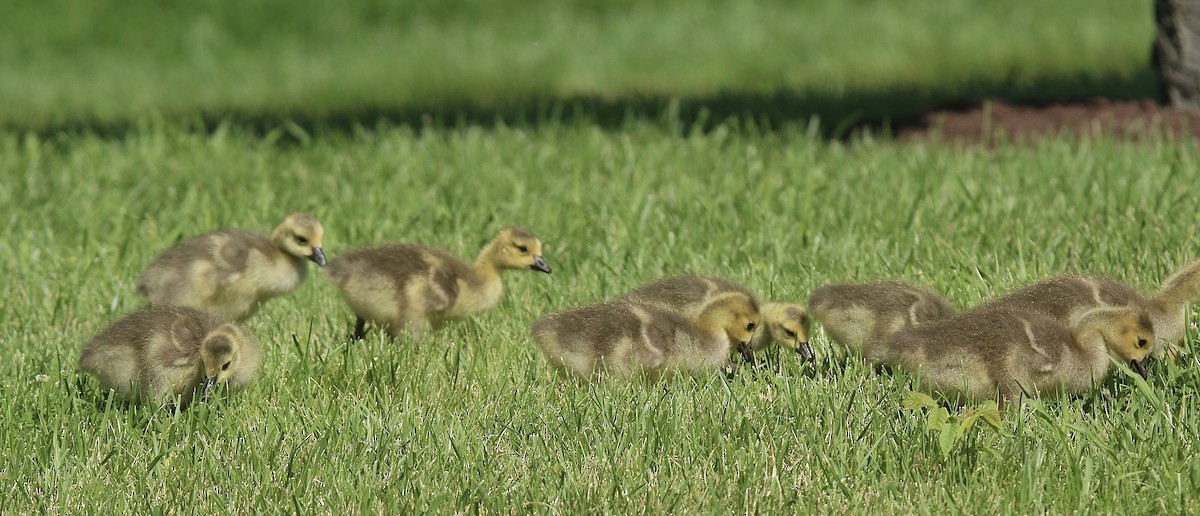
column 360, row 329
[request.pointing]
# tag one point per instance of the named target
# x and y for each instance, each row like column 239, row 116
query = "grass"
column 67, row 64
column 473, row 419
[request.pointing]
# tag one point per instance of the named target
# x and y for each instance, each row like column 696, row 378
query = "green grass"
column 474, row 418
column 70, row 64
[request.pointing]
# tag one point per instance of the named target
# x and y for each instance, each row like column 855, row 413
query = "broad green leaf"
column 937, row 419
column 914, row 400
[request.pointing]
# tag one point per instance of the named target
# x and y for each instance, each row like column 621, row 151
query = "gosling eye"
column 790, row 334
column 1141, row 343
column 523, row 249
column 301, row 240
column 226, row 366
column 750, row 327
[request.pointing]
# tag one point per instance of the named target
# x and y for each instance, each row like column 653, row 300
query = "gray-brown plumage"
column 786, row 324
column 859, row 315
column 165, row 354
column 1067, row 297
column 624, row 339
column 230, row 273
column 998, row 352
column 409, row 286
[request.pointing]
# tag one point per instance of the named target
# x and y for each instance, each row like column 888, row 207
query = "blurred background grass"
column 107, row 65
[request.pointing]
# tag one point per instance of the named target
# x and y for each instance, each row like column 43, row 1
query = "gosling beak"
column 746, row 352
column 1140, row 367
column 540, row 264
column 210, row 384
column 805, row 351
column 318, row 256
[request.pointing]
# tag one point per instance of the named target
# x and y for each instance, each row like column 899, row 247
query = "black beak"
column 1140, row 367
column 318, row 256
column 746, row 352
column 805, row 351
column 210, row 384
column 540, row 264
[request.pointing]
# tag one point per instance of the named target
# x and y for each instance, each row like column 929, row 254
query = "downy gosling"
column 170, row 354
column 1004, row 354
column 408, row 287
column 1067, row 297
column 860, row 315
column 624, row 339
column 782, row 323
column 230, row 273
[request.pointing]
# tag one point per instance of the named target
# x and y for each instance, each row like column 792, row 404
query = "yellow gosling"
column 408, row 287
column 168, row 354
column 623, row 339
column 1004, row 354
column 230, row 273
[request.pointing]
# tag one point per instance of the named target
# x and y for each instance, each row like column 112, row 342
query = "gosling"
column 1067, row 297
column 785, row 324
column 860, row 315
column 230, row 273
column 170, row 354
column 788, row 325
column 1002, row 353
column 407, row 286
column 623, row 339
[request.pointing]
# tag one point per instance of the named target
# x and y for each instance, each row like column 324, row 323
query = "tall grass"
column 474, row 419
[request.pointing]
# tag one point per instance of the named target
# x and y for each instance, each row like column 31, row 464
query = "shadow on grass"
column 828, row 115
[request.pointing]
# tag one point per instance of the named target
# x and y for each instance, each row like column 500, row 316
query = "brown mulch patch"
column 998, row 120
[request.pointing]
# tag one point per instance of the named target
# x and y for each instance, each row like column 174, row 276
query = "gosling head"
column 219, row 356
column 788, row 324
column 737, row 316
column 1128, row 333
column 301, row 235
column 518, row 248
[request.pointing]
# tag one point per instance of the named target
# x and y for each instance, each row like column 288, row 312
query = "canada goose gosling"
column 409, row 286
column 786, row 324
column 231, row 273
column 623, row 338
column 860, row 315
column 991, row 352
column 163, row 353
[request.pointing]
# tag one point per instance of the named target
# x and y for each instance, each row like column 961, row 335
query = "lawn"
column 442, row 123
column 474, row 417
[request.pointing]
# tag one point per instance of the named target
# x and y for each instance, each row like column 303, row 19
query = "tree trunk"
column 1177, row 52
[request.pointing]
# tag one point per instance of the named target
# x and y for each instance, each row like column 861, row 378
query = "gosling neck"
column 486, row 265
column 1092, row 341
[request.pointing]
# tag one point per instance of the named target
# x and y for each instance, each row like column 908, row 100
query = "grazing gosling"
column 1067, row 297
column 165, row 354
column 409, row 286
column 990, row 353
column 860, row 315
column 786, row 324
column 623, row 339
column 231, row 273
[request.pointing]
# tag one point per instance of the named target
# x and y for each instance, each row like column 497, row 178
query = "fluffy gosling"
column 1067, row 297
column 860, row 315
column 623, row 339
column 990, row 353
column 399, row 286
column 785, row 324
column 166, row 354
column 231, row 273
